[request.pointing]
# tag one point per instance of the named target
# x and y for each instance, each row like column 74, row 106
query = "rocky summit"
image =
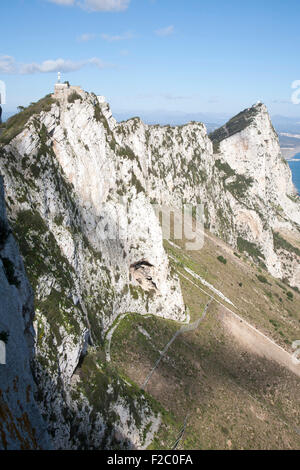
column 87, row 278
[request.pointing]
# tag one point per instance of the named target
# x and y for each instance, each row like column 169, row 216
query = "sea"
column 295, row 167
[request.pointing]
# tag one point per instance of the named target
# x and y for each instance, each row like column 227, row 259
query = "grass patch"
column 282, row 243
column 15, row 124
column 251, row 248
column 262, row 279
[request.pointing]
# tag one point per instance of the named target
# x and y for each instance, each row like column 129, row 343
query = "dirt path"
column 256, row 341
column 109, row 337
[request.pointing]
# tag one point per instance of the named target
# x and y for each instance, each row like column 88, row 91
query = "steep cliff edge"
column 83, row 241
column 80, row 191
column 21, row 423
column 267, row 204
column 239, row 176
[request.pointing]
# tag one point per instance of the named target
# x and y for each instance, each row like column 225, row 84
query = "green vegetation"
column 73, row 97
column 136, row 183
column 251, row 248
column 103, row 385
column 290, row 295
column 262, row 279
column 98, row 113
column 239, row 186
column 42, row 256
column 237, row 124
column 126, row 152
column 222, row 259
column 16, row 123
column 58, row 219
column 225, row 167
column 282, row 243
column 59, row 312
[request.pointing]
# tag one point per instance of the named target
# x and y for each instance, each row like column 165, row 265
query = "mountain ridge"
column 80, row 192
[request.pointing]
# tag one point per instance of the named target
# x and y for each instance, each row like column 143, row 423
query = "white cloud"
column 8, row 65
column 95, row 5
column 117, row 37
column 107, row 37
column 167, row 31
column 86, row 37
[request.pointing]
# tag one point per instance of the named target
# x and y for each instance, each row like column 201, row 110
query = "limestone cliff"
column 80, row 240
column 80, row 190
column 265, row 202
column 21, row 423
column 237, row 173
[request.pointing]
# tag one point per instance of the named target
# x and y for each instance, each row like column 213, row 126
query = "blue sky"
column 172, row 55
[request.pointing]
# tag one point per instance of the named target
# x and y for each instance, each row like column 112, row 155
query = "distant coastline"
column 295, row 169
column 290, row 153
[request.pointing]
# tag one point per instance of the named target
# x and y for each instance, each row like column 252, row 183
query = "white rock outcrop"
column 80, row 191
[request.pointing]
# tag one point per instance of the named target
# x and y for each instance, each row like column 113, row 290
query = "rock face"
column 80, row 191
column 82, row 218
column 21, row 423
column 266, row 200
column 237, row 173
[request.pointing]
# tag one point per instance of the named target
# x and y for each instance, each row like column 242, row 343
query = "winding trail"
column 191, row 327
column 110, row 333
column 109, row 336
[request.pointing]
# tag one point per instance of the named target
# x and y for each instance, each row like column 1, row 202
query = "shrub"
column 98, row 113
column 262, row 279
column 240, row 186
column 281, row 243
column 73, row 97
column 222, row 259
column 225, row 167
column 250, row 248
column 16, row 123
column 290, row 295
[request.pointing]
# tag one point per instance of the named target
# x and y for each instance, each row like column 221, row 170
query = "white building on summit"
column 63, row 90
